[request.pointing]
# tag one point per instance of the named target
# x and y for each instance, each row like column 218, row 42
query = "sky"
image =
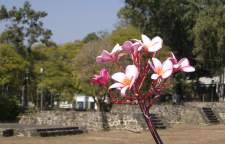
column 71, row 20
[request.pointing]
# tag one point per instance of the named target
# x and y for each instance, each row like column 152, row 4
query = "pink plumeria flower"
column 101, row 79
column 162, row 70
column 181, row 65
column 107, row 56
column 151, row 45
column 125, row 80
column 132, row 48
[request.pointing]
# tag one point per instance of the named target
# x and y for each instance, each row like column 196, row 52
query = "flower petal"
column 188, row 69
column 127, row 46
column 119, row 76
column 105, row 76
column 176, row 66
column 104, row 57
column 131, row 72
column 145, row 39
column 123, row 90
column 173, row 58
column 116, row 48
column 183, row 62
column 167, row 73
column 132, row 82
column 154, row 76
column 156, row 63
column 116, row 85
column 156, row 44
column 167, row 65
column 140, row 48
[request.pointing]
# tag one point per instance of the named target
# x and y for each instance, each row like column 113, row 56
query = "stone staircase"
column 157, row 122
column 209, row 115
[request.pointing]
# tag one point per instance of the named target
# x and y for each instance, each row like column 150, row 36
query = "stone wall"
column 88, row 120
column 124, row 116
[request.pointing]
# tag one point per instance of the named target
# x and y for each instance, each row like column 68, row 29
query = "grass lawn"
column 178, row 134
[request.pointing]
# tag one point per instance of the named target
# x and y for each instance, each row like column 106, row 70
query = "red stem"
column 149, row 123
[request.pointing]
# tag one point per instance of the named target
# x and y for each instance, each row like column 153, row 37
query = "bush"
column 9, row 108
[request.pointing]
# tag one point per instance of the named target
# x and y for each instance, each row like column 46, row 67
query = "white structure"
column 84, row 102
column 80, row 102
column 220, row 85
column 208, row 80
column 65, row 105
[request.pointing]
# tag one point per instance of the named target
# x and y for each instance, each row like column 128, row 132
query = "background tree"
column 123, row 33
column 209, row 32
column 24, row 27
column 191, row 28
column 55, row 81
column 90, row 37
column 84, row 66
column 171, row 19
column 12, row 69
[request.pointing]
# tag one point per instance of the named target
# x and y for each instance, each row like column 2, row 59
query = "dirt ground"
column 178, row 134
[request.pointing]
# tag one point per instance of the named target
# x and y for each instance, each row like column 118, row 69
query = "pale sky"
column 70, row 20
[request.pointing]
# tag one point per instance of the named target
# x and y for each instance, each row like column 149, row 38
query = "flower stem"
column 149, row 123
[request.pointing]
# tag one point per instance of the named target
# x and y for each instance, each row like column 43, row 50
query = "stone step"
column 210, row 115
column 160, row 126
column 208, row 111
column 157, row 122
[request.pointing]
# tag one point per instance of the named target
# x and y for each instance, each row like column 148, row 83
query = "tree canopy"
column 177, row 22
column 24, row 27
column 209, row 32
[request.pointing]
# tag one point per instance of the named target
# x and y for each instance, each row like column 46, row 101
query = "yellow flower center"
column 159, row 71
column 126, row 82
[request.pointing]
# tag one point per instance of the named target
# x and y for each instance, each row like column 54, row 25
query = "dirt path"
column 178, row 134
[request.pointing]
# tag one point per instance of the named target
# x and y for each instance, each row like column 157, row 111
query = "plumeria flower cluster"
column 135, row 74
column 145, row 68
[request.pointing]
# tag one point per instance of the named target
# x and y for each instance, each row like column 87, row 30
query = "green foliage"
column 24, row 27
column 56, row 63
column 9, row 108
column 209, row 41
column 121, row 34
column 84, row 65
column 90, row 37
column 12, row 65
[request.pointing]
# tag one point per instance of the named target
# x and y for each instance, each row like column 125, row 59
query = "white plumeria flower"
column 185, row 66
column 151, row 45
column 125, row 80
column 182, row 65
column 163, row 70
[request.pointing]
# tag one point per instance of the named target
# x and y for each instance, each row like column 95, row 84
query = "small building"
column 82, row 102
column 212, row 87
